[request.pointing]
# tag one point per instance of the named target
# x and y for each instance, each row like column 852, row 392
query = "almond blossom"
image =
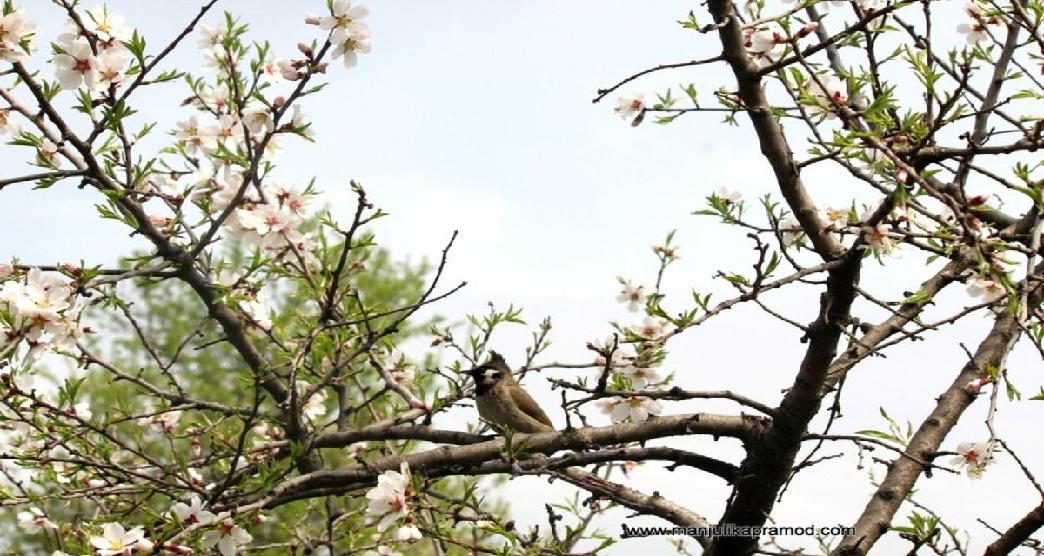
column 649, row 329
column 256, row 307
column 227, row 537
column 258, row 120
column 986, row 288
column 40, row 298
column 631, row 107
column 349, row 43
column 388, row 498
column 76, row 66
column 6, row 125
column 110, row 70
column 162, row 422
column 117, row 541
column 973, row 457
column 400, row 368
column 192, row 512
column 227, row 132
column 633, row 296
column 315, row 407
column 836, row 218
column 34, row 520
column 829, row 93
column 108, row 26
column 764, row 46
column 383, row 550
column 635, row 408
column 975, row 29
column 641, row 377
column 343, row 16
column 47, row 154
column 210, row 36
column 878, row 237
column 14, row 31
column 407, row 533
column 729, row 196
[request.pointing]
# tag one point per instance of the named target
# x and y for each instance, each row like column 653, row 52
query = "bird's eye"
column 492, row 374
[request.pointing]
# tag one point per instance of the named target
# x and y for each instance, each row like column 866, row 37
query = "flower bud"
column 808, row 29
column 305, row 49
column 312, row 19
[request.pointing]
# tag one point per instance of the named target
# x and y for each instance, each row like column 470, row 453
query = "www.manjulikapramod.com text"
column 732, row 530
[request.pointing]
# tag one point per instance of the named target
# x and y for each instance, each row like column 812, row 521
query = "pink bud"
column 176, row 548
column 973, row 387
column 305, row 49
column 808, row 29
column 312, row 19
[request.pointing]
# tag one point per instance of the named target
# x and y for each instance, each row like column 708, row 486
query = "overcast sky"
column 477, row 116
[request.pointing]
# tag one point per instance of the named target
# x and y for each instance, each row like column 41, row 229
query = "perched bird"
column 502, row 401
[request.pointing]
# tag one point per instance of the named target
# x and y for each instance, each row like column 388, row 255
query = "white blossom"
column 635, row 408
column 48, row 154
column 641, row 377
column 343, row 16
column 14, row 30
column 315, row 407
column 633, row 296
column 388, row 498
column 258, row 120
column 110, row 69
column 400, row 368
column 210, row 36
column 192, row 512
column 407, row 533
column 6, row 124
column 349, row 43
column 649, row 329
column 764, row 46
column 973, row 457
column 975, row 29
column 107, row 25
column 631, row 107
column 116, row 541
column 383, row 550
column 40, row 298
column 257, row 308
column 986, row 288
column 33, row 520
column 829, row 93
column 227, row 537
column 162, row 422
column 790, row 230
column 729, row 196
column 76, row 66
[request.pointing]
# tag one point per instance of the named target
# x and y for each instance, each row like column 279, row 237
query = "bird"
column 503, row 402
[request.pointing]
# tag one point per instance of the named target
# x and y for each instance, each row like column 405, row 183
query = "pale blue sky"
column 476, row 115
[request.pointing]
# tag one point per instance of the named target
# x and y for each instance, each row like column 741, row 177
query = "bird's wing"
column 528, row 406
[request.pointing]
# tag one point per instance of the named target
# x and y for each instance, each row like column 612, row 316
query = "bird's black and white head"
column 488, row 374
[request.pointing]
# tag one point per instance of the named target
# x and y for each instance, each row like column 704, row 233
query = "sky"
column 476, row 115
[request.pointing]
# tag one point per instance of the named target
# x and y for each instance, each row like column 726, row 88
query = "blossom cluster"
column 42, row 312
column 16, row 38
column 91, row 50
column 389, row 501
